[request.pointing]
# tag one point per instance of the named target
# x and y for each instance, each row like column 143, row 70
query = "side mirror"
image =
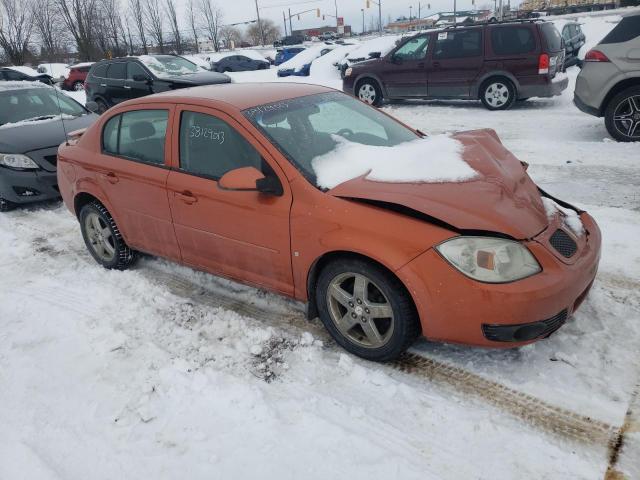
column 92, row 107
column 250, row 179
column 139, row 77
column 396, row 59
column 375, row 54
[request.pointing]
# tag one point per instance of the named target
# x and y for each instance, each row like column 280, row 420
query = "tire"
column 6, row 205
column 77, row 86
column 379, row 338
column 369, row 92
column 105, row 243
column 102, row 106
column 497, row 93
column 622, row 115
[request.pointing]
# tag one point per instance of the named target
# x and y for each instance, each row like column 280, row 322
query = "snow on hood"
column 380, row 44
column 424, row 160
column 571, row 217
column 304, row 57
column 26, row 70
column 325, row 65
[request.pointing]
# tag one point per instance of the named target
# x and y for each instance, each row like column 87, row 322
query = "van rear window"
column 551, row 36
column 627, row 29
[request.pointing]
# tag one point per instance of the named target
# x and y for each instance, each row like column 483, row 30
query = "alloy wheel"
column 496, row 94
column 100, row 237
column 367, row 93
column 360, row 310
column 78, row 86
column 626, row 117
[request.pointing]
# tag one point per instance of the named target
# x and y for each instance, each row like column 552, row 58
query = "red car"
column 77, row 76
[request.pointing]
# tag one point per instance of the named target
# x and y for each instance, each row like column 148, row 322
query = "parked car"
column 300, row 65
column 328, row 36
column 110, row 82
column 574, row 40
column 289, row 40
column 239, row 63
column 287, row 53
column 31, row 129
column 24, row 74
column 609, row 83
column 77, row 76
column 270, row 187
column 497, row 63
column 57, row 71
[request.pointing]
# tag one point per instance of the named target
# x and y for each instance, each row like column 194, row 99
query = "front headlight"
column 348, row 72
column 491, row 260
column 17, row 161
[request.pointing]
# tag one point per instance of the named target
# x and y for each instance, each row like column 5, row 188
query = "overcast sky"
column 242, row 10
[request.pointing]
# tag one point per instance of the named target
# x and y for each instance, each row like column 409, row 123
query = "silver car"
column 609, row 84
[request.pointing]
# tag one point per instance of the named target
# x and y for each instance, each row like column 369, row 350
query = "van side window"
column 512, row 40
column 137, row 135
column 211, row 147
column 414, row 49
column 458, row 44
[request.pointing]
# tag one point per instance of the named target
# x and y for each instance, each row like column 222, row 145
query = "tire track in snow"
column 618, row 440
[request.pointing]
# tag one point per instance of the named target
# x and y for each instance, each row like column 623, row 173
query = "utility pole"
column 362, row 10
column 380, row 16
column 260, row 25
column 455, row 15
column 335, row 2
column 290, row 24
column 284, row 18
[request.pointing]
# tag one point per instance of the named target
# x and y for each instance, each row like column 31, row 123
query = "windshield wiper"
column 35, row 119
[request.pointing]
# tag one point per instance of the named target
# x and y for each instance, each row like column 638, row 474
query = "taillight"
column 543, row 64
column 596, row 56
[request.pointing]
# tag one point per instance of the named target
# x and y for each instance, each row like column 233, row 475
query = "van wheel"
column 6, row 205
column 103, row 238
column 497, row 94
column 366, row 309
column 622, row 115
column 369, row 92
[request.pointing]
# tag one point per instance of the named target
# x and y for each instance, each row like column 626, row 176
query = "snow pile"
column 379, row 44
column 571, row 217
column 305, row 57
column 433, row 159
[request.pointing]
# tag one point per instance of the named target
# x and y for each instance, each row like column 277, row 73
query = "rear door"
column 116, row 74
column 405, row 69
column 553, row 45
column 456, row 62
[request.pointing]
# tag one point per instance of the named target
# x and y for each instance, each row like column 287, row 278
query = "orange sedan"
column 386, row 233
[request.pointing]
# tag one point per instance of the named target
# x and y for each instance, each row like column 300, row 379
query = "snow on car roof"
column 306, row 56
column 26, row 70
column 81, row 64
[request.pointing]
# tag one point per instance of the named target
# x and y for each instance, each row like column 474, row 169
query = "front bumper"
column 28, row 186
column 454, row 308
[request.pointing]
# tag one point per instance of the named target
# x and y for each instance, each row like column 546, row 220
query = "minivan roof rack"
column 487, row 22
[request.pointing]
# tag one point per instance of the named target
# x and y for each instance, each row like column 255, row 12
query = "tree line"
column 54, row 30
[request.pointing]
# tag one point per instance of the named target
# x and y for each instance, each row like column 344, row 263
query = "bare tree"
column 137, row 13
column 116, row 41
column 212, row 18
column 269, row 28
column 173, row 22
column 80, row 18
column 230, row 34
column 49, row 27
column 16, row 25
column 191, row 18
column 155, row 22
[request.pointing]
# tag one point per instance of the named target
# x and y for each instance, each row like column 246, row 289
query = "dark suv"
column 113, row 81
column 497, row 63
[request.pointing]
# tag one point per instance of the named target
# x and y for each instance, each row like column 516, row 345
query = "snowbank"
column 426, row 160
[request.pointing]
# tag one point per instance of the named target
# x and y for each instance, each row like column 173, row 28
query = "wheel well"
column 319, row 264
column 81, row 200
column 499, row 77
column 373, row 80
column 617, row 88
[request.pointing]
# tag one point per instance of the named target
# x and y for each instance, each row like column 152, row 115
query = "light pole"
column 410, row 7
column 259, row 24
column 362, row 10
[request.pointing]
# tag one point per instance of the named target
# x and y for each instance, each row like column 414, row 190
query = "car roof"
column 238, row 95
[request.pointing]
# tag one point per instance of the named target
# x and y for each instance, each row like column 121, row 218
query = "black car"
column 21, row 74
column 31, row 128
column 239, row 63
column 289, row 40
column 113, row 81
column 574, row 40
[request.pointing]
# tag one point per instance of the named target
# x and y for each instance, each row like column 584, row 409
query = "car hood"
column 25, row 137
column 200, row 78
column 501, row 199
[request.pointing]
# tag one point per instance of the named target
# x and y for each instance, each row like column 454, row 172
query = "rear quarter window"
column 627, row 29
column 551, row 36
column 512, row 40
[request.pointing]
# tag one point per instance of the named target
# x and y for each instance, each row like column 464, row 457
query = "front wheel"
column 622, row 116
column 369, row 92
column 103, row 238
column 366, row 309
column 497, row 94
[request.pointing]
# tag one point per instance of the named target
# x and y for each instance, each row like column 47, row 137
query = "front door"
column 115, row 90
column 456, row 62
column 405, row 74
column 138, row 82
column 133, row 172
column 239, row 234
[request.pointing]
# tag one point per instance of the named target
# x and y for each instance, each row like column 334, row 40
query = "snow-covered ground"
column 162, row 371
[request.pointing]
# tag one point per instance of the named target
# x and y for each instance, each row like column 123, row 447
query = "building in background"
column 316, row 32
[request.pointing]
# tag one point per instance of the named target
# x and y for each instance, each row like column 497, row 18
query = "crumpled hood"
column 501, row 199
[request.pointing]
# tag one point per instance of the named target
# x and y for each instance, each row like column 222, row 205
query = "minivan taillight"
column 543, row 64
column 596, row 56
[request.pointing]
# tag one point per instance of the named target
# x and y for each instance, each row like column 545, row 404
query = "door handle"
column 187, row 197
column 127, row 87
column 103, row 84
column 436, row 64
column 111, row 177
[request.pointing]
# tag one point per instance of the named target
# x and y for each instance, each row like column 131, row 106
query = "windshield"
column 33, row 104
column 169, row 65
column 307, row 127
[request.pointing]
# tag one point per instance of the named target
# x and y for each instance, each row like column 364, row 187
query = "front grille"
column 563, row 243
column 525, row 331
column 52, row 159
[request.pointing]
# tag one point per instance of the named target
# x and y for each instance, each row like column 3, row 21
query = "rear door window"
column 134, row 68
column 458, row 44
column 138, row 135
column 627, row 29
column 117, row 71
column 512, row 40
column 100, row 71
column 552, row 36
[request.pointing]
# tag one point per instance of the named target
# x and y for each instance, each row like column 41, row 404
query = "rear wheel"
column 77, row 86
column 622, row 116
column 366, row 309
column 103, row 238
column 369, row 92
column 497, row 94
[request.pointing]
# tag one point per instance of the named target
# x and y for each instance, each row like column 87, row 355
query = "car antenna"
column 64, row 128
